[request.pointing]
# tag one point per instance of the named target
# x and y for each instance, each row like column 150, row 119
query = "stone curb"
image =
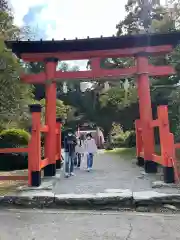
column 152, row 198
column 111, row 201
column 94, row 201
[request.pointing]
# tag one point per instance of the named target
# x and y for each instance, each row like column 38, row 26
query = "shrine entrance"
column 138, row 47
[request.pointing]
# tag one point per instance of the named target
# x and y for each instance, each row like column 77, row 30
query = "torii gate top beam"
column 94, row 47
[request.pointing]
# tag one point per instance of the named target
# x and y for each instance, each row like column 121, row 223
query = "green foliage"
column 124, row 139
column 115, row 97
column 12, row 138
column 139, row 16
column 62, row 110
column 131, row 139
column 119, row 140
column 14, row 95
column 116, row 129
column 15, row 136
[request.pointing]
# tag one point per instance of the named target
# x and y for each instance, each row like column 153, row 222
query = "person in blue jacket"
column 69, row 149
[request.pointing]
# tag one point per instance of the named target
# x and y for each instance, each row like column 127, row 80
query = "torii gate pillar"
column 50, row 116
column 145, row 111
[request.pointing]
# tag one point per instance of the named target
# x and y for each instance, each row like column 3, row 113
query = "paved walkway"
column 109, row 172
column 69, row 225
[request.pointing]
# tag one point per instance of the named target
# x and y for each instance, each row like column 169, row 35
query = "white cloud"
column 82, row 18
column 21, row 8
column 74, row 18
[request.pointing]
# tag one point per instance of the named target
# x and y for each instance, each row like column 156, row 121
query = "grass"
column 125, row 152
column 131, row 152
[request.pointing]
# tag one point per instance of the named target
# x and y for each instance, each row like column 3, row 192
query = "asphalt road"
column 76, row 225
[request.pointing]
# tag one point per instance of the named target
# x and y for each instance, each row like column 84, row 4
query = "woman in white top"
column 90, row 148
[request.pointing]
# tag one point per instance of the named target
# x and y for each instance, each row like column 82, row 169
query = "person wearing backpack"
column 69, row 149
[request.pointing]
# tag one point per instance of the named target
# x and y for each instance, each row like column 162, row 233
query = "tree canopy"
column 14, row 95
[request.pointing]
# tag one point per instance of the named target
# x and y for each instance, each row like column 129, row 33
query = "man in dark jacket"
column 69, row 149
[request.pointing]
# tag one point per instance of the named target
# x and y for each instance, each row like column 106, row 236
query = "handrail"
column 14, row 150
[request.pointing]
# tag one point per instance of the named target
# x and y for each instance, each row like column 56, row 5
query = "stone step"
column 122, row 199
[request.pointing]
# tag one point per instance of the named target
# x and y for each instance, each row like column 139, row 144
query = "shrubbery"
column 119, row 138
column 124, row 139
column 131, row 139
column 15, row 136
column 11, row 138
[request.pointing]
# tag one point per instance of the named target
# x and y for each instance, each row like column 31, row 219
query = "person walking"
column 90, row 149
column 69, row 149
column 79, row 149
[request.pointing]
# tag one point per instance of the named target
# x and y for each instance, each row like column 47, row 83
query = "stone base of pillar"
column 140, row 161
column 150, row 166
column 169, row 176
column 50, row 170
column 58, row 164
column 36, row 179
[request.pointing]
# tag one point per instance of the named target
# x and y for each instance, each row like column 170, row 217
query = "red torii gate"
column 50, row 52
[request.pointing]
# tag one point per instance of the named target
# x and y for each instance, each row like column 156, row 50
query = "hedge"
column 15, row 136
column 12, row 138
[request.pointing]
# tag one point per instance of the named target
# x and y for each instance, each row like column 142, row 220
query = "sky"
column 69, row 19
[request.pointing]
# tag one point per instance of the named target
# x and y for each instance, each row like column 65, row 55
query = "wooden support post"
column 34, row 154
column 167, row 146
column 145, row 111
column 139, row 144
column 58, row 142
column 50, row 117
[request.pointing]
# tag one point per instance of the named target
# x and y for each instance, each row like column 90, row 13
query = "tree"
column 36, row 67
column 14, row 95
column 62, row 110
column 140, row 14
column 159, row 19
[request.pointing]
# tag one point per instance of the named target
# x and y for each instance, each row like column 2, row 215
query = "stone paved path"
column 68, row 225
column 109, row 172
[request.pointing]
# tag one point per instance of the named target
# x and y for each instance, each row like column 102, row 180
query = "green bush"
column 125, row 139
column 15, row 136
column 11, row 138
column 131, row 140
column 118, row 141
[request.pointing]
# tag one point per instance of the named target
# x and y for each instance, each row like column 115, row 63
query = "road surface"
column 110, row 171
column 76, row 225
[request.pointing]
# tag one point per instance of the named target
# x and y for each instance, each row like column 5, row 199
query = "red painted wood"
column 57, row 156
column 38, row 78
column 145, row 109
column 13, row 150
column 44, row 162
column 50, row 113
column 139, row 143
column 127, row 52
column 155, row 123
column 157, row 159
column 13, row 178
column 177, row 145
column 44, row 129
column 98, row 73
